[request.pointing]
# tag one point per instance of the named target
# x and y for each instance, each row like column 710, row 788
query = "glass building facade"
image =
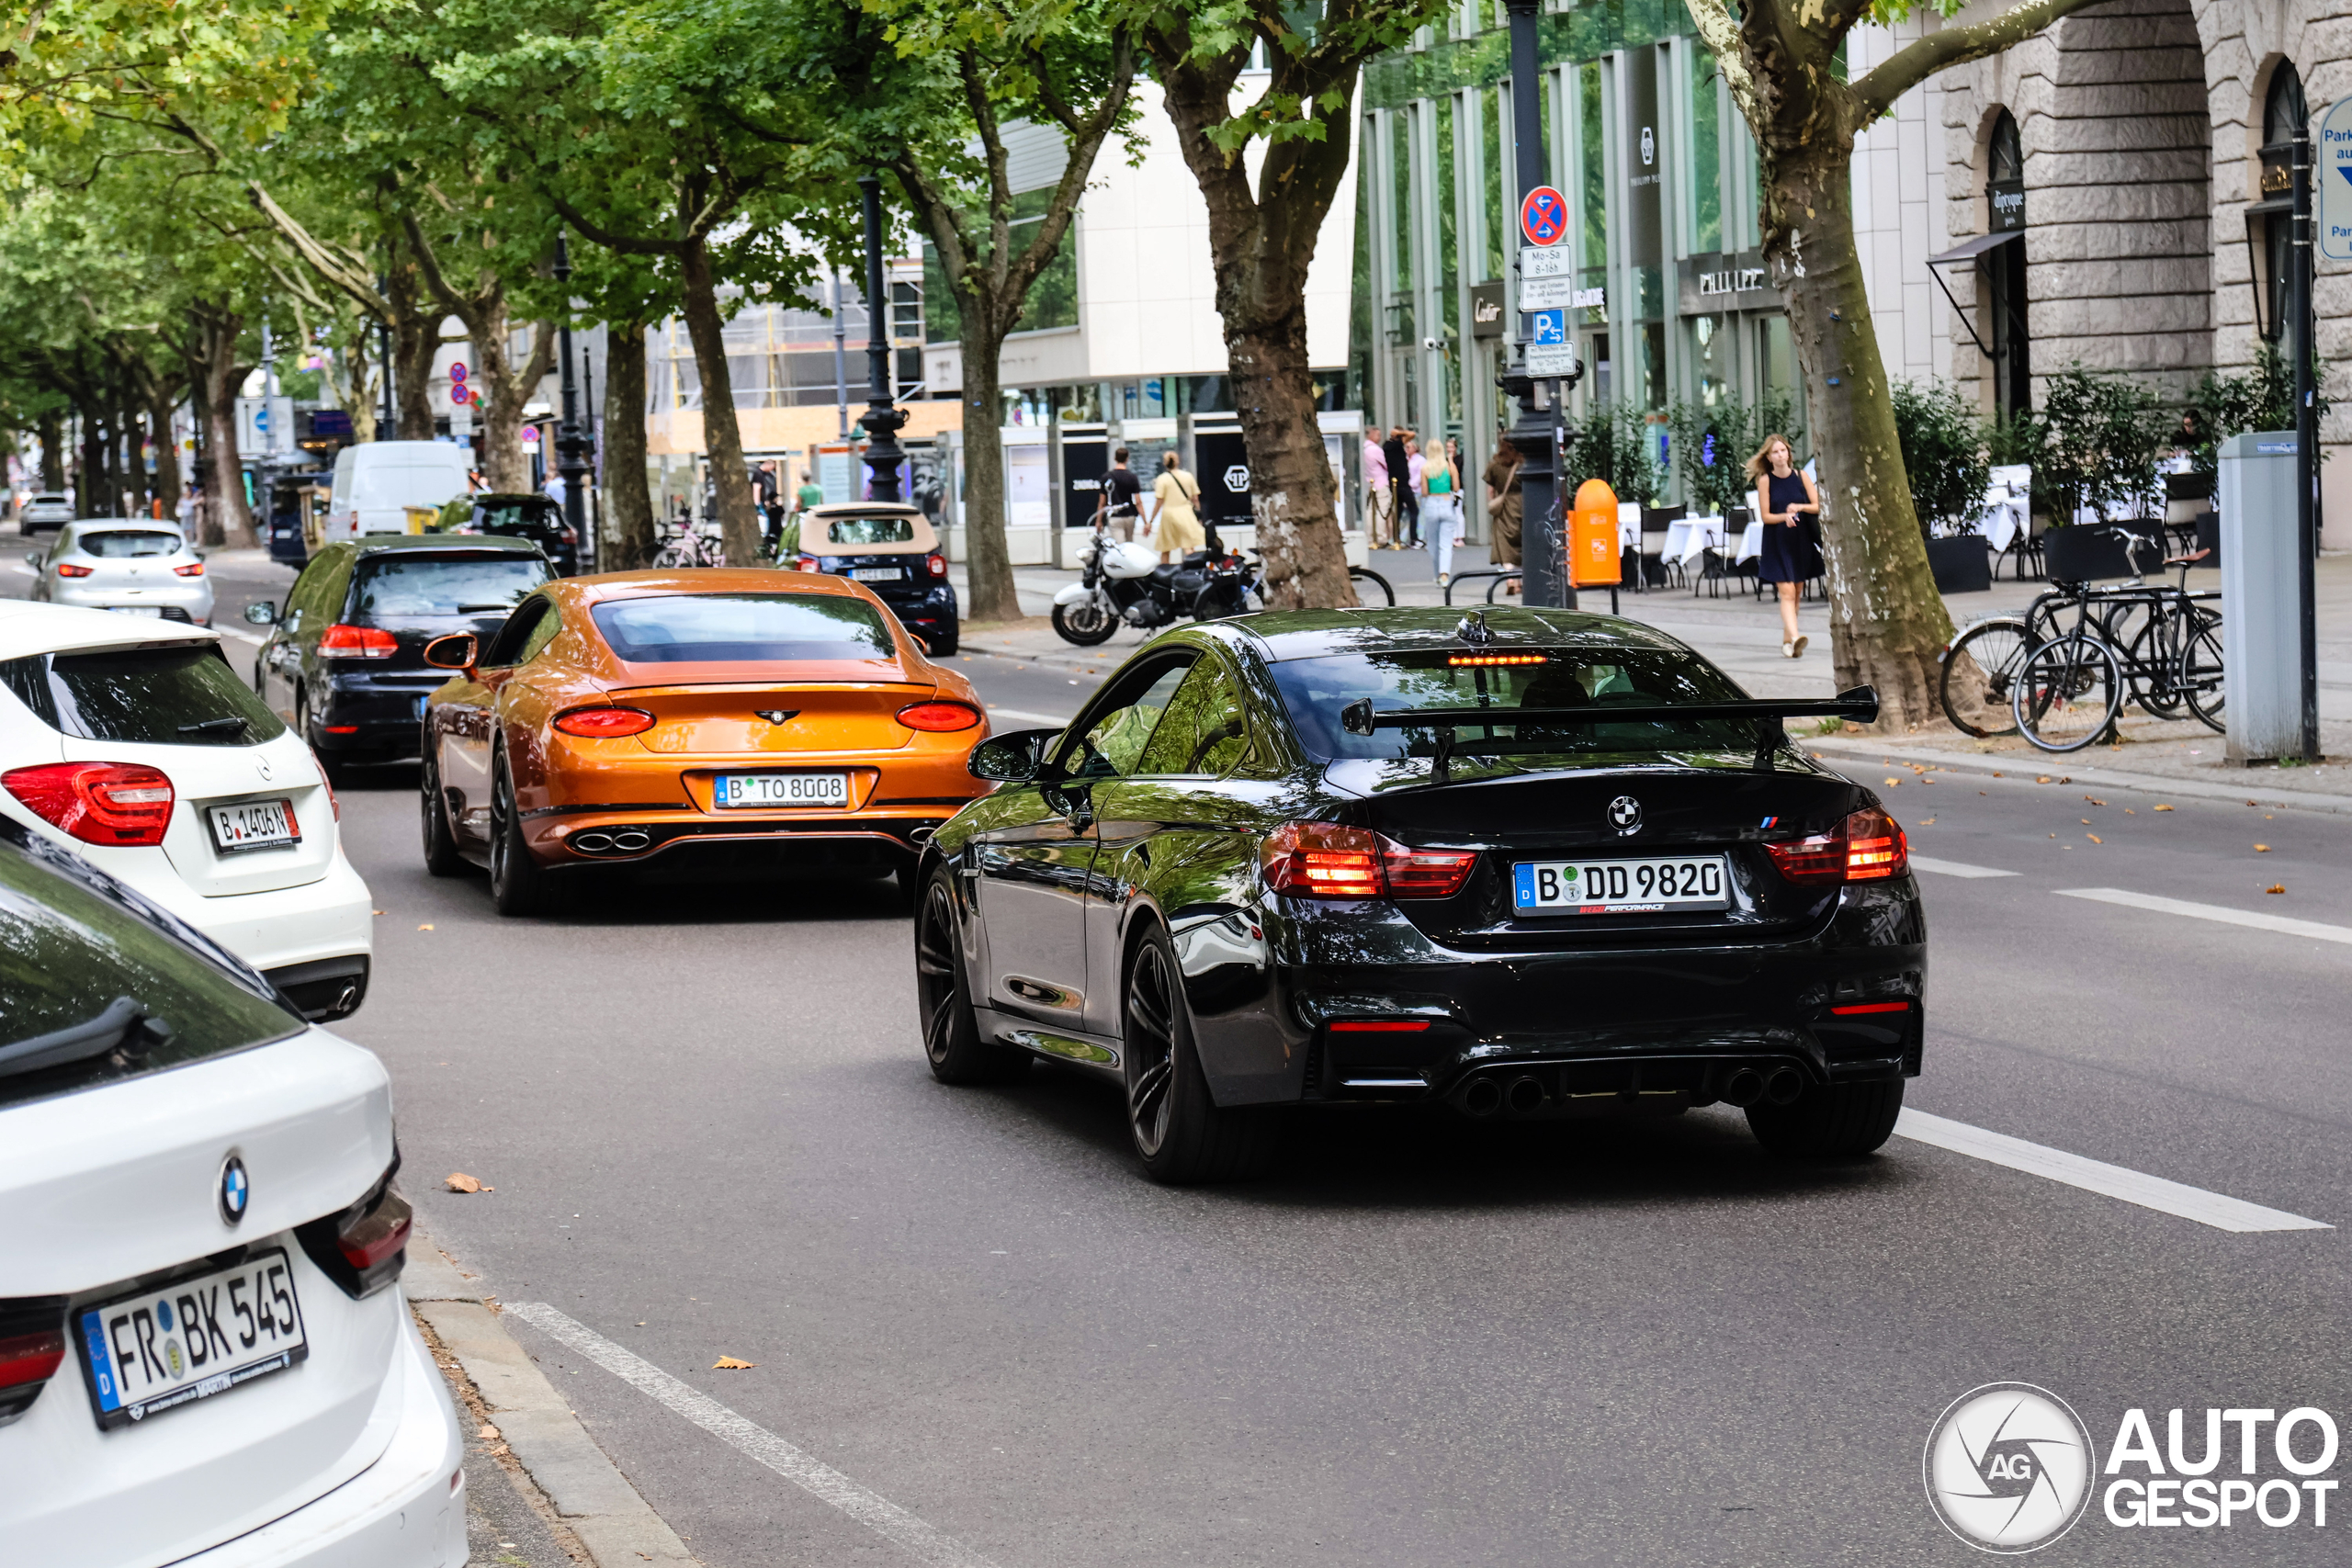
column 1640, row 133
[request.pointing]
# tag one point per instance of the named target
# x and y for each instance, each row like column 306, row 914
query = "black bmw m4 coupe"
column 1522, row 863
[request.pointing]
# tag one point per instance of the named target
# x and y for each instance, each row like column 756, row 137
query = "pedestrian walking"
column 1504, row 503
column 1441, row 510
column 1789, row 505
column 1399, row 467
column 1175, row 514
column 1409, row 520
column 768, row 490
column 1379, row 498
column 1120, row 506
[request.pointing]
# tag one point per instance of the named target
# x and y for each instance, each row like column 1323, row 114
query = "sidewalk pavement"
column 1741, row 633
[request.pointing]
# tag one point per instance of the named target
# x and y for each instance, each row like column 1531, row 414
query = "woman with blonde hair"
column 1440, row 488
column 1784, row 498
column 1175, row 511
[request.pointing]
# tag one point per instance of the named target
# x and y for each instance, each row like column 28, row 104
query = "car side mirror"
column 1017, row 758
column 262, row 613
column 459, row 650
column 32, row 558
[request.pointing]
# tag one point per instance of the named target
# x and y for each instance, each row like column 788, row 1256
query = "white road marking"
column 248, row 636
column 1956, row 868
column 1033, row 717
column 812, row 1475
column 2097, row 1175
column 2283, row 924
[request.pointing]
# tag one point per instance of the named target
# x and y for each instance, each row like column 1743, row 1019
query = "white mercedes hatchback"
column 122, row 563
column 205, row 1357
column 131, row 742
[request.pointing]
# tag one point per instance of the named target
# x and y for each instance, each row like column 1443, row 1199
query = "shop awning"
column 1970, row 249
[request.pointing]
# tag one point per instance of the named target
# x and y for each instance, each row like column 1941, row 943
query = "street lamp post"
column 571, row 446
column 882, row 419
column 1545, row 577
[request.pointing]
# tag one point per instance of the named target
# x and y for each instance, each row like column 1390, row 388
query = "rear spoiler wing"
column 1860, row 705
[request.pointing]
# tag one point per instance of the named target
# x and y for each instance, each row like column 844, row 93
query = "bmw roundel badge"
column 1625, row 816
column 234, row 1190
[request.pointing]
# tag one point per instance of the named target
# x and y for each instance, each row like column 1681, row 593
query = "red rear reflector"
column 1380, row 1026
column 99, row 803
column 603, row 723
column 70, row 569
column 193, row 569
column 341, row 728
column 1323, row 860
column 30, row 1358
column 341, row 641
column 939, row 719
column 1871, row 1007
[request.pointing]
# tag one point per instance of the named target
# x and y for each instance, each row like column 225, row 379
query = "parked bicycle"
column 683, row 545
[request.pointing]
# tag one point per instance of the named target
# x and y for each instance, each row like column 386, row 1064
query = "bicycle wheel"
column 1980, row 665
column 2151, row 663
column 2067, row 692
column 669, row 556
column 2200, row 672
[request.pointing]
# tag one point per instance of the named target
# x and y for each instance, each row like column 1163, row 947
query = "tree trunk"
column 504, row 465
column 1292, row 497
column 730, row 477
column 52, row 451
column 134, row 459
column 228, row 520
column 167, row 450
column 630, row 542
column 988, row 559
column 90, row 498
column 417, row 339
column 1886, row 621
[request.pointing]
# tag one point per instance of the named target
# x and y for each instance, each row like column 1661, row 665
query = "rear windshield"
column 873, row 530
column 444, row 585
column 138, row 542
column 507, row 516
column 690, row 629
column 181, row 695
column 93, row 990
column 1314, row 690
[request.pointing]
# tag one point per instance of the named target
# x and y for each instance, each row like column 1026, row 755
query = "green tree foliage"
column 2102, row 438
column 1943, row 450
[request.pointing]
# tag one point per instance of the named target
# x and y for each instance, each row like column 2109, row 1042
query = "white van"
column 376, row 483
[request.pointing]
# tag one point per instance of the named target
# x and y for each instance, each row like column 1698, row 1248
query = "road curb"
column 2031, row 765
column 589, row 1494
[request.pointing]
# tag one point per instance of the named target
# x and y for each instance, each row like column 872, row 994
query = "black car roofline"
column 1860, row 705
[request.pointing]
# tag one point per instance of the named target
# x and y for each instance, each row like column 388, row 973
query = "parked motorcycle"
column 1126, row 584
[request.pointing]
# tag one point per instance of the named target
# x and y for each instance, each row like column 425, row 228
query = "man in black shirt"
column 1400, row 482
column 1121, row 497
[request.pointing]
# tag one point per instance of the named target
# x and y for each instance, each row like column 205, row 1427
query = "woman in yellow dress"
column 1175, row 516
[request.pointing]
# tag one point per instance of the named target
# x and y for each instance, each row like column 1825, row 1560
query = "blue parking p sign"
column 1548, row 326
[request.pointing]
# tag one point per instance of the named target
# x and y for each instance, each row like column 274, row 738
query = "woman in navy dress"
column 1784, row 500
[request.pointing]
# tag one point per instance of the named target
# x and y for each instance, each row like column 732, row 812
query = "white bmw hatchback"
column 205, row 1357
column 133, row 743
column 125, row 564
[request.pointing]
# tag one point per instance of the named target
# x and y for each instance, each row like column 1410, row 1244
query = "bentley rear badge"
column 778, row 716
column 1625, row 816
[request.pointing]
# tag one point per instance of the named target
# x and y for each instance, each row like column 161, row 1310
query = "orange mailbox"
column 1594, row 558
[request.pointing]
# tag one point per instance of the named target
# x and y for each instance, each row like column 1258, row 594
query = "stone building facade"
column 2152, row 216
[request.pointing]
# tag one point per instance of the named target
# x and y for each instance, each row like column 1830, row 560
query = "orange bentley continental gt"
column 720, row 725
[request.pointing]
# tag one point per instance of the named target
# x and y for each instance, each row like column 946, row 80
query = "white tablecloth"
column 1690, row 538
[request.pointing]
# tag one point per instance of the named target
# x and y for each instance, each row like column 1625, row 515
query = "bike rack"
column 1460, row 578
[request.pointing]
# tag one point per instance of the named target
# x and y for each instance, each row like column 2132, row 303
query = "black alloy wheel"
column 1084, row 622
column 1179, row 1133
column 951, row 1032
column 517, row 885
column 441, row 856
column 1829, row 1121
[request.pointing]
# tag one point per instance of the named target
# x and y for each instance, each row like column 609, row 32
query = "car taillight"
column 939, row 719
column 1867, row 846
column 604, row 723
column 806, row 563
column 99, row 803
column 1322, row 860
column 32, row 1344
column 363, row 1249
column 340, row 641
column 937, row 562
column 193, row 569
column 67, row 569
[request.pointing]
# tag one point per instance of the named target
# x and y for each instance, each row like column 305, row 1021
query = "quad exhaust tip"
column 1524, row 1096
column 1483, row 1098
column 1784, row 1086
column 627, row 840
column 1780, row 1085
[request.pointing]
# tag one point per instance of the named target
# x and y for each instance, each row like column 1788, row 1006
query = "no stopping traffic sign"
column 1544, row 216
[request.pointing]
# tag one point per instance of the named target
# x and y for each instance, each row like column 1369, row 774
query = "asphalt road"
column 711, row 1133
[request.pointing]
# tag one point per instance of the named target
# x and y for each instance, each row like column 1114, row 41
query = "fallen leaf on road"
column 374, row 912
column 460, row 1182
column 2129, row 812
column 730, row 1364
column 425, row 928
column 1927, row 822
column 1892, row 784
column 2065, row 778
column 2094, row 838
column 2276, row 887
column 2094, row 800
column 2261, row 848
column 2042, row 779
column 2084, row 820
column 2162, row 809
column 488, row 1433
